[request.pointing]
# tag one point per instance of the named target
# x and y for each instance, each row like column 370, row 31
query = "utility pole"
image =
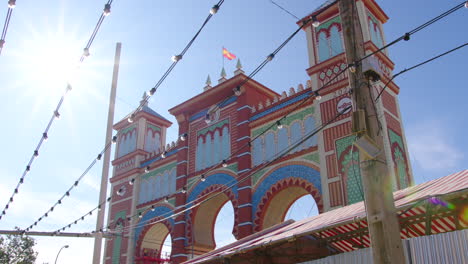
column 384, row 229
column 106, row 160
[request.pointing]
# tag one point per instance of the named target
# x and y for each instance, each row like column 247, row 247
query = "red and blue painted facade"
column 325, row 166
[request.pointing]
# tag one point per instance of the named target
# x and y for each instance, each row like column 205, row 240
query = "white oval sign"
column 344, row 103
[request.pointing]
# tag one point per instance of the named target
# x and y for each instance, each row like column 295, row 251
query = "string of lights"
column 416, row 66
column 317, row 96
column 316, row 93
column 74, row 185
column 407, row 35
column 278, row 123
column 175, row 60
column 56, row 113
column 11, row 6
column 82, row 218
column 221, row 189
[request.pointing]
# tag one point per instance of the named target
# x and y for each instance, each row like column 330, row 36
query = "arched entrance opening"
column 284, row 201
column 206, row 217
column 224, row 225
column 304, row 207
column 280, row 189
column 154, row 246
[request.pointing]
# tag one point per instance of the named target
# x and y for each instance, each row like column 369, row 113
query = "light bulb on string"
column 11, row 4
column 315, row 22
column 317, row 96
column 237, row 91
column 164, row 154
column 202, row 178
column 214, row 9
column 279, row 125
column 183, row 137
column 224, row 164
column 107, row 10
column 207, row 118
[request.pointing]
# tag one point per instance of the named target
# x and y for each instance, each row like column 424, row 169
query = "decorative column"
column 245, row 226
column 179, row 252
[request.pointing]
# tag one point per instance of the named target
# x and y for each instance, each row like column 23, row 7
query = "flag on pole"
column 228, row 54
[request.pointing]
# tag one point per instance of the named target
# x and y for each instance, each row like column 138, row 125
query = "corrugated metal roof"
column 343, row 220
column 451, row 247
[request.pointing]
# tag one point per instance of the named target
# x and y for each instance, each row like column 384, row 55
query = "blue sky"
column 42, row 36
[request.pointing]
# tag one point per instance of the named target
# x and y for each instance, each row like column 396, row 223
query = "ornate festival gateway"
column 232, row 145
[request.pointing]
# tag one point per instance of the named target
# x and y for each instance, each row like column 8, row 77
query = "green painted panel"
column 153, row 127
column 313, row 157
column 116, row 249
column 212, row 127
column 327, row 24
column 287, row 121
column 350, row 168
column 159, row 170
column 128, row 129
column 258, row 176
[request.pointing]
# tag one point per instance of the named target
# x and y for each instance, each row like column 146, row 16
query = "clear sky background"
column 43, row 36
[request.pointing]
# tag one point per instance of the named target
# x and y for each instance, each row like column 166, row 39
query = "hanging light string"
column 75, row 184
column 56, row 112
column 416, row 66
column 175, row 60
column 407, row 35
column 191, row 204
column 232, row 184
column 316, row 94
column 213, row 11
column 11, row 6
column 82, row 218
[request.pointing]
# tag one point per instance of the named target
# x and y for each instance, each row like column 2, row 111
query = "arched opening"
column 304, row 207
column 280, row 189
column 224, row 225
column 214, row 218
column 287, row 200
column 155, row 246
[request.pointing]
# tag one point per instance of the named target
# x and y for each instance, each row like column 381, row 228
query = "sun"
column 48, row 60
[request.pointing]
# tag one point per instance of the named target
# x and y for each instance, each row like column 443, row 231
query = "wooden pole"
column 106, row 160
column 382, row 220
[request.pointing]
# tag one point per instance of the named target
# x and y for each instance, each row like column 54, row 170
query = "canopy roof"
column 433, row 207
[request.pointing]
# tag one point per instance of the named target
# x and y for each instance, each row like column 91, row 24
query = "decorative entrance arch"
column 150, row 237
column 280, row 188
column 201, row 220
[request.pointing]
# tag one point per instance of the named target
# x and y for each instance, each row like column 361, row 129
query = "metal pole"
column 66, row 246
column 52, row 234
column 384, row 229
column 106, row 160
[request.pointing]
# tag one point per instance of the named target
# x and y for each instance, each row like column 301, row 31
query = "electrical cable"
column 11, row 5
column 56, row 112
column 416, row 66
column 407, row 35
column 284, row 9
column 242, row 179
column 360, row 60
column 176, row 59
column 74, row 185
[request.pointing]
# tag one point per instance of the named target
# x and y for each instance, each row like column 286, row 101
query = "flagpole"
column 222, row 55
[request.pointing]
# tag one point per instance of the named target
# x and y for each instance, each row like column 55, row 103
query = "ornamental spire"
column 223, row 76
column 208, row 83
column 239, row 68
